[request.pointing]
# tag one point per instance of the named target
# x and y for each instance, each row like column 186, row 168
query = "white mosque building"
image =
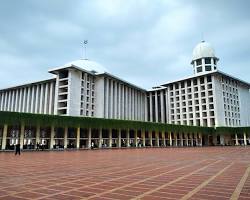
column 84, row 88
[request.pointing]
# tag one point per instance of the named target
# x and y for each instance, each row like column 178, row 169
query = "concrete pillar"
column 65, row 138
column 22, row 135
column 163, row 138
column 89, row 138
column 51, row 92
column 52, row 137
column 175, row 137
column 245, row 139
column 127, row 136
column 170, row 139
column 222, row 139
column 150, row 138
column 181, row 138
column 192, row 139
column 4, row 139
column 119, row 138
column 135, row 140
column 78, row 130
column 196, row 139
column 110, row 138
column 143, row 138
column 37, row 135
column 157, row 138
column 100, row 138
column 236, row 139
column 200, row 139
column 186, row 138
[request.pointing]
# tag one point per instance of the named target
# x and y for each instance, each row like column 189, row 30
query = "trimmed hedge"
column 15, row 118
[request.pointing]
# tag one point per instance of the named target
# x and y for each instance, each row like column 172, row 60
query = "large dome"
column 88, row 65
column 203, row 50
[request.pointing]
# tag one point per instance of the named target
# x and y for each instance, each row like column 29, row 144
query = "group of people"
column 18, row 148
column 39, row 146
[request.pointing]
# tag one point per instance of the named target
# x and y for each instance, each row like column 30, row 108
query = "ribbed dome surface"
column 88, row 65
column 203, row 50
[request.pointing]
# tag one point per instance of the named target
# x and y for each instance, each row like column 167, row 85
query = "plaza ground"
column 150, row 173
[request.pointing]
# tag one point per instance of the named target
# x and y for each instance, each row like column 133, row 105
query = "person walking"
column 18, row 149
column 37, row 146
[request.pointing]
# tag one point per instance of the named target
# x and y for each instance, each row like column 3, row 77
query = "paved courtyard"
column 163, row 173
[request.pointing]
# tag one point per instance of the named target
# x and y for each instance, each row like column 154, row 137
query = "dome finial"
column 85, row 42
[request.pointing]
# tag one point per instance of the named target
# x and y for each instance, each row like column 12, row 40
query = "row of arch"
column 51, row 137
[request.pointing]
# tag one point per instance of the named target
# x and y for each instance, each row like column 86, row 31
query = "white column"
column 132, row 104
column 5, row 108
column 22, row 136
column 181, row 138
column 110, row 138
column 196, row 139
column 17, row 100
column 128, row 138
column 100, row 138
column 129, row 103
column 13, row 100
column 37, row 99
column 65, row 137
column 41, row 99
column 157, row 138
column 89, row 138
column 170, row 139
column 236, row 139
column 1, row 100
column 78, row 131
column 9, row 100
column 32, row 99
column 24, row 99
column 136, row 105
column 163, row 138
column 135, row 136
column 156, row 107
column 107, row 99
column 51, row 102
column 4, row 139
column 122, row 104
column 115, row 100
column 111, row 99
column 145, row 117
column 143, row 138
column 175, row 138
column 52, row 137
column 192, row 139
column 46, row 99
column 186, row 137
column 127, row 107
column 150, row 107
column 200, row 139
column 56, row 91
column 245, row 139
column 28, row 102
column 150, row 138
column 162, row 107
column 37, row 135
column 119, row 138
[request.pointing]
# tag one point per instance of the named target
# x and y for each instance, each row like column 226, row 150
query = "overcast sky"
column 146, row 42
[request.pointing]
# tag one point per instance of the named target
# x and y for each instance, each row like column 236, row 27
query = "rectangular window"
column 198, row 62
column 208, row 68
column 207, row 60
column 199, row 69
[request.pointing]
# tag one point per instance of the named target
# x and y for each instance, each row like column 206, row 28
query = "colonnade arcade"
column 63, row 132
column 85, row 138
